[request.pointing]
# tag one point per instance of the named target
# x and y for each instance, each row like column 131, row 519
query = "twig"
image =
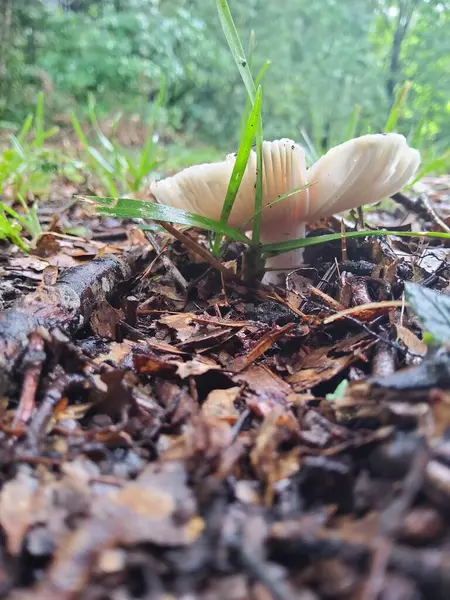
column 202, row 252
column 34, row 359
column 60, row 382
column 167, row 262
column 422, row 207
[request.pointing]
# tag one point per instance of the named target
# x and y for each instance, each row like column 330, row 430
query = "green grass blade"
column 19, row 149
column 25, row 129
column 127, row 208
column 146, row 160
column 248, row 103
column 397, row 108
column 242, row 157
column 101, row 160
column 354, row 120
column 78, row 130
column 104, row 141
column 280, row 198
column 313, row 155
column 256, row 231
column 241, row 61
column 261, row 73
column 280, row 247
column 236, row 48
column 39, row 125
column 433, row 165
column 240, row 163
column 11, row 231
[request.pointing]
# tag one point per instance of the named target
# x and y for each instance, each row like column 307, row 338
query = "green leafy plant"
column 26, row 164
column 433, row 310
column 116, row 168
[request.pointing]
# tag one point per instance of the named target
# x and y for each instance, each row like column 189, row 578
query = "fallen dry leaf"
column 16, row 508
column 220, row 404
column 324, row 363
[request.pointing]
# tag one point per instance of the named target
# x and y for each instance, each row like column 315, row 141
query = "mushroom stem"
column 288, row 260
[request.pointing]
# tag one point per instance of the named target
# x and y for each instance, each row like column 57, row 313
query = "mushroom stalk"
column 288, row 261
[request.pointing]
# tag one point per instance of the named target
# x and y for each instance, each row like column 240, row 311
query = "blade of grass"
column 240, row 164
column 397, row 108
column 18, row 147
column 10, row 231
column 107, row 171
column 354, row 120
column 313, row 154
column 236, row 48
column 104, row 141
column 78, row 130
column 248, row 102
column 25, row 129
column 241, row 61
column 280, row 247
column 146, row 161
column 39, row 125
column 434, row 165
column 127, row 208
column 280, row 198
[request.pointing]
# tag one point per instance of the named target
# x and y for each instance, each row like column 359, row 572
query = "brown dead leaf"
column 117, row 352
column 266, row 341
column 197, row 366
column 324, row 363
column 105, row 319
column 440, row 408
column 205, row 439
column 365, row 312
column 153, row 364
column 27, row 262
column 220, row 404
column 410, row 340
column 181, row 323
column 208, row 338
column 50, row 275
column 163, row 346
column 16, row 509
column 264, row 392
column 267, row 462
column 143, row 511
column 164, row 297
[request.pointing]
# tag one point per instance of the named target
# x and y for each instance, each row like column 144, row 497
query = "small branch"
column 167, row 262
column 202, row 252
column 34, row 359
column 421, row 207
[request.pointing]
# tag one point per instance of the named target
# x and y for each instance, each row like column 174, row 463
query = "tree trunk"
column 406, row 9
column 5, row 41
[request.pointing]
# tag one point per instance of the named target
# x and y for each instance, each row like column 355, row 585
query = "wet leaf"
column 432, row 308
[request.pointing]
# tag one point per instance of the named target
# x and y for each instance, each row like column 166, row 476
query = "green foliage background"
column 328, row 57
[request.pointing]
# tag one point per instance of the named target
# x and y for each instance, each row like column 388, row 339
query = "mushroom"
column 360, row 171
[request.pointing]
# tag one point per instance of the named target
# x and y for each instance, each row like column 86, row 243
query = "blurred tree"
column 327, row 57
column 412, row 40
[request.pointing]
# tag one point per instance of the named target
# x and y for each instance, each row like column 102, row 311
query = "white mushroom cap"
column 361, row 171
column 202, row 188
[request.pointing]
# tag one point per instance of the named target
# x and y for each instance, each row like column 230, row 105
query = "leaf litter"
column 168, row 432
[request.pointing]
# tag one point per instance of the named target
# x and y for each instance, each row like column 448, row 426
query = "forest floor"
column 167, row 432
